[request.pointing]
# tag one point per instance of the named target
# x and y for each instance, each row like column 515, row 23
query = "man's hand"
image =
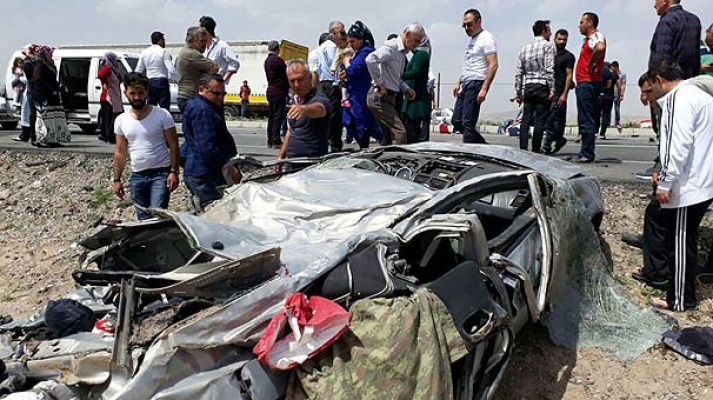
column 516, row 99
column 118, row 189
column 456, row 90
column 295, row 111
column 411, row 94
column 482, row 94
column 655, row 178
column 593, row 68
column 562, row 100
column 172, row 181
column 706, row 68
column 342, row 75
column 382, row 90
column 663, row 195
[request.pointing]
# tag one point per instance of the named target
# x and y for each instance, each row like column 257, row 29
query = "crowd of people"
column 384, row 92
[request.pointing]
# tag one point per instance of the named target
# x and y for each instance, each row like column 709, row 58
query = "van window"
column 132, row 63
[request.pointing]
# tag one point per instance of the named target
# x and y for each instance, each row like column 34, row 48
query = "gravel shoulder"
column 47, row 201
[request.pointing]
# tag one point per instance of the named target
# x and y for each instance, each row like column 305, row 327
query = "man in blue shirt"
column 209, row 145
column 308, row 118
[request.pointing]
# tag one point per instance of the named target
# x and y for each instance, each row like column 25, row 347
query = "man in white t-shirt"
column 479, row 67
column 148, row 135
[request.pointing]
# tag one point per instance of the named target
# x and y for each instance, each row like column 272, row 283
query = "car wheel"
column 8, row 125
column 88, row 128
column 231, row 112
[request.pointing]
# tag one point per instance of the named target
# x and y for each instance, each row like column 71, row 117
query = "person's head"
column 542, row 28
column 615, row 66
column 209, row 24
column 273, row 46
column 158, row 38
column 472, row 22
column 340, row 39
column 197, row 38
column 662, row 6
column 709, row 37
column 588, row 23
column 412, row 35
column 136, row 89
column 299, row 77
column 561, row 39
column 323, row 37
column 17, row 62
column 336, row 27
column 358, row 35
column 245, row 83
column 110, row 59
column 212, row 88
column 44, row 53
column 646, row 95
column 663, row 77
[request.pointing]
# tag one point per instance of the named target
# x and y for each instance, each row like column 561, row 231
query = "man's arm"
column 170, row 67
column 120, row 156
column 492, row 70
column 313, row 110
column 233, row 64
column 675, row 148
column 550, row 68
column 283, row 150
column 140, row 66
column 567, row 85
column 519, row 76
column 172, row 142
column 597, row 55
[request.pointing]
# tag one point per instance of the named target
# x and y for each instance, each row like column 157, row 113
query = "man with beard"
column 148, row 134
column 557, row 118
column 209, row 145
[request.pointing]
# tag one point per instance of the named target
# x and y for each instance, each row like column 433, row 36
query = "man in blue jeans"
column 479, row 67
column 589, row 71
column 148, row 134
column 209, row 145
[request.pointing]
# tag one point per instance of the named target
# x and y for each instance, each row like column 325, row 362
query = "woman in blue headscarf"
column 358, row 119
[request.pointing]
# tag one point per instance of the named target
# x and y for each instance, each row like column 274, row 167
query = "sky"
column 627, row 25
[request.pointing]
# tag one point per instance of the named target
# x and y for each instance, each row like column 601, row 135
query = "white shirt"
column 146, row 138
column 386, row 65
column 223, row 56
column 686, row 145
column 156, row 63
column 313, row 60
column 475, row 63
column 325, row 59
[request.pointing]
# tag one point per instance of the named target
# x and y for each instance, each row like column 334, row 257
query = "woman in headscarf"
column 110, row 98
column 51, row 125
column 417, row 112
column 358, row 119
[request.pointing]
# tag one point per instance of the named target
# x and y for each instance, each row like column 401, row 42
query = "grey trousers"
column 384, row 110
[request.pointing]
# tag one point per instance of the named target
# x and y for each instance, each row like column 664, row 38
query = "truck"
column 83, row 60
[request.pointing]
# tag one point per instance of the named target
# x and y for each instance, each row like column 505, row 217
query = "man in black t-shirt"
column 557, row 118
column 606, row 100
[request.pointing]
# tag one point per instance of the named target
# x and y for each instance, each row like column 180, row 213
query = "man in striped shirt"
column 535, row 83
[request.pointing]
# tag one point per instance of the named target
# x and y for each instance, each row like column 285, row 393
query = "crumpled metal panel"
column 79, row 343
column 221, row 383
column 550, row 166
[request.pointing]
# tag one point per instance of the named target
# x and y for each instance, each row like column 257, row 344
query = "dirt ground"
column 48, row 201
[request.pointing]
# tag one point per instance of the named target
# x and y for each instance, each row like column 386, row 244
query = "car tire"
column 231, row 112
column 8, row 125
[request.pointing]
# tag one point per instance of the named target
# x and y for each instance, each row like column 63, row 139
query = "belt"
column 390, row 92
column 152, row 171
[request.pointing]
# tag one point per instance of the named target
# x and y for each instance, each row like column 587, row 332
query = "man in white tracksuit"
column 685, row 181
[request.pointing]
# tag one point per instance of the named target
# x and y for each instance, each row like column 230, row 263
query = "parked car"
column 473, row 224
column 7, row 117
column 439, row 115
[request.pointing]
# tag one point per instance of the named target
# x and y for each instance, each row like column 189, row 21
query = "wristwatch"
column 175, row 171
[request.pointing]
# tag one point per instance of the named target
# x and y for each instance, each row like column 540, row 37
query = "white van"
column 80, row 87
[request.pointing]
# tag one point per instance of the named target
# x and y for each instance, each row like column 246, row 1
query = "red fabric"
column 443, row 128
column 103, row 75
column 585, row 56
column 320, row 322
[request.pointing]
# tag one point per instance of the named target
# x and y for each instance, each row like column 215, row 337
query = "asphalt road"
column 618, row 157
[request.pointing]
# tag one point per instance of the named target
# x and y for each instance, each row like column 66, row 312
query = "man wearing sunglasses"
column 209, row 145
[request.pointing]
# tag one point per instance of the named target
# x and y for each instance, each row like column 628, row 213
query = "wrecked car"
column 457, row 237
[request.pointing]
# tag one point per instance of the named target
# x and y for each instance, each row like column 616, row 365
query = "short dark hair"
column 273, row 45
column 643, row 79
column 669, row 70
column 392, row 36
column 208, row 23
column 615, row 64
column 562, row 32
column 156, row 37
column 136, row 79
column 540, row 26
column 592, row 17
column 323, row 37
column 475, row 13
column 205, row 79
